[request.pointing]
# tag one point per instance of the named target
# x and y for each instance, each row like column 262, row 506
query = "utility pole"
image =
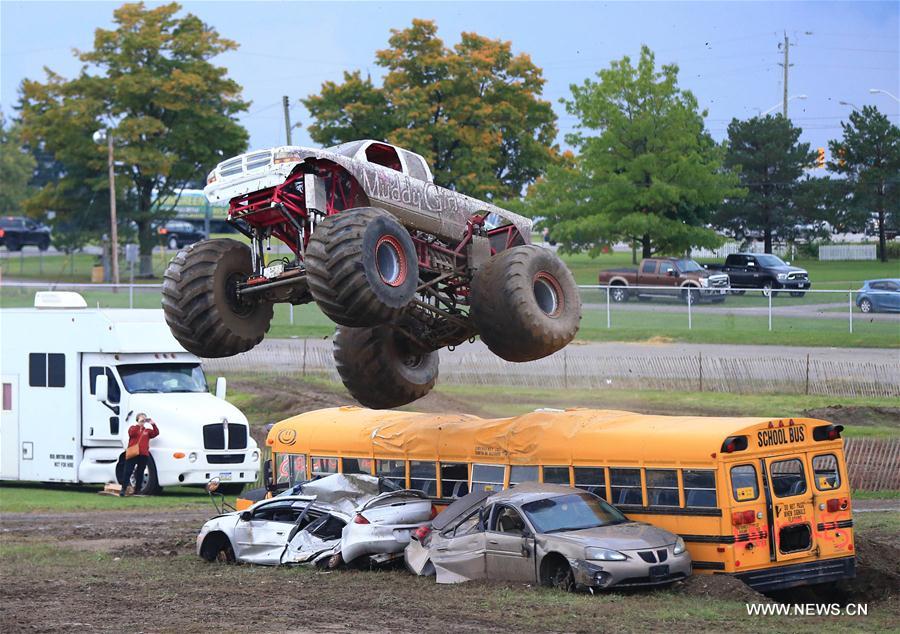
column 113, row 229
column 287, row 118
column 787, row 47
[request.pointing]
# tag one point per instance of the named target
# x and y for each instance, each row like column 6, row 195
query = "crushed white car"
column 337, row 519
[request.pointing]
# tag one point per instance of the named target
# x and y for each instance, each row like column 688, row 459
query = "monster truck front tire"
column 201, row 306
column 362, row 267
column 525, row 303
column 380, row 368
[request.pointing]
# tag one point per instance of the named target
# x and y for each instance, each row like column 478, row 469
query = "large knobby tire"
column 380, row 368
column 201, row 306
column 362, row 267
column 525, row 303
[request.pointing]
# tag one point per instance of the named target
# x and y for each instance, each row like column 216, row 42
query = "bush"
column 893, row 249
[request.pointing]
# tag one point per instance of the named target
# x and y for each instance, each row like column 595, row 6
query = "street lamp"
column 875, row 91
column 847, row 103
column 101, row 136
column 780, row 104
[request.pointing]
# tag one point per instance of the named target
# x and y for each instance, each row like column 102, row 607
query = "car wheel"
column 559, row 575
column 690, row 295
column 43, row 244
column 798, row 293
column 12, row 244
column 865, row 305
column 618, row 294
column 767, row 290
column 217, row 548
column 173, row 244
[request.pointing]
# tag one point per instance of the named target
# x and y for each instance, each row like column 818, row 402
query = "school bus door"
column 789, row 500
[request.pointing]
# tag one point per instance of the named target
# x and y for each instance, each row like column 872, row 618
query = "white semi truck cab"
column 73, row 381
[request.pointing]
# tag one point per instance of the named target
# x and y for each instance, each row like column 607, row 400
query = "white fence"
column 847, row 252
column 729, row 248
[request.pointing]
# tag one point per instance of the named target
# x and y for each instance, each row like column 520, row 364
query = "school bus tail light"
column 734, row 443
column 360, row 519
column 837, row 504
column 827, row 432
column 743, row 517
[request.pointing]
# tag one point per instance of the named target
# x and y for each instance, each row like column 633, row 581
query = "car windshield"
column 770, row 260
column 571, row 512
column 163, row 377
column 688, row 266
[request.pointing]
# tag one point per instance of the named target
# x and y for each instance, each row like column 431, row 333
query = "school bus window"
column 557, row 475
column 321, row 466
column 356, row 465
column 662, row 487
column 487, row 477
column 591, row 479
column 699, row 488
column 394, row 471
column 519, row 473
column 788, row 478
column 454, row 479
column 826, row 473
column 283, row 470
column 422, row 476
column 744, row 485
column 625, row 486
column 298, row 469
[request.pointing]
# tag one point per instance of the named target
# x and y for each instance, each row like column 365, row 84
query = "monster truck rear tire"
column 362, row 267
column 200, row 303
column 525, row 303
column 380, row 368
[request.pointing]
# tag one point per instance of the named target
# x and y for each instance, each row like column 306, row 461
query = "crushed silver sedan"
column 337, row 519
column 548, row 534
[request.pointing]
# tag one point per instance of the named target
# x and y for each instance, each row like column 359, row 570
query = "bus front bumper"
column 805, row 574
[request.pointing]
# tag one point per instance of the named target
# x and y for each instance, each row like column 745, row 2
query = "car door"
column 891, row 295
column 261, row 537
column 510, row 546
column 737, row 270
column 789, row 499
column 102, row 424
column 458, row 551
column 668, row 277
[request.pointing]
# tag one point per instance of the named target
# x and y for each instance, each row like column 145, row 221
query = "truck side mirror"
column 673, row 273
column 245, row 516
column 101, row 388
column 221, row 387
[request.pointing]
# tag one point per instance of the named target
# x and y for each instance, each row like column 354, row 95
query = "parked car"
column 765, row 272
column 681, row 277
column 338, row 518
column 180, row 233
column 17, row 232
column 879, row 296
column 548, row 534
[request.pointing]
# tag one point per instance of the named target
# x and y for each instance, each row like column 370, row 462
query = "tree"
column 647, row 170
column 771, row 160
column 868, row 156
column 171, row 112
column 473, row 111
column 16, row 168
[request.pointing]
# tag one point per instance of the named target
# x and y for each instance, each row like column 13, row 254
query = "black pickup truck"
column 765, row 272
column 17, row 232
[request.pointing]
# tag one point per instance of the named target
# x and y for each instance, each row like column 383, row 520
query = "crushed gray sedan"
column 548, row 534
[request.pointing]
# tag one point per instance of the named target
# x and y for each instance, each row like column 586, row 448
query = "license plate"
column 722, row 292
column 659, row 571
column 225, row 476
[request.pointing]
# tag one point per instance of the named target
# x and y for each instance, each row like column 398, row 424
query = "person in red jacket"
column 139, row 434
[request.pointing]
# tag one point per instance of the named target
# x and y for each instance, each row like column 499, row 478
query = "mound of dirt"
column 877, row 570
column 720, row 587
column 856, row 415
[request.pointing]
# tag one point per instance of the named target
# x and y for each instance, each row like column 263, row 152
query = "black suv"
column 180, row 233
column 17, row 232
column 765, row 272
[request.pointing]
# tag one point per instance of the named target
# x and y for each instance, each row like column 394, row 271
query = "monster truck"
column 402, row 266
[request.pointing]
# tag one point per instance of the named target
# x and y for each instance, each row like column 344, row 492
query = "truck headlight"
column 254, row 456
column 679, row 546
column 704, row 281
column 192, row 457
column 782, row 276
column 603, row 554
column 211, row 178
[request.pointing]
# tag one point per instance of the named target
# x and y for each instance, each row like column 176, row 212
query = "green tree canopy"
column 474, row 111
column 868, row 157
column 771, row 160
column 16, row 168
column 171, row 112
column 646, row 171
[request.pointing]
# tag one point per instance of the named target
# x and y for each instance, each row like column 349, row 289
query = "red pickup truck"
column 666, row 277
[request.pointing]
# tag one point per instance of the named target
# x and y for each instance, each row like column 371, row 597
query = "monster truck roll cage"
column 289, row 212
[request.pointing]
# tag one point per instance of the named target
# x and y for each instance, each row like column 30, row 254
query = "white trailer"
column 73, row 381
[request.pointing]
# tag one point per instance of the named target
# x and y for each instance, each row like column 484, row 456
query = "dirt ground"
column 137, row 571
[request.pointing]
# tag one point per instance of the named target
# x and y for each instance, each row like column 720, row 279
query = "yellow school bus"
column 764, row 499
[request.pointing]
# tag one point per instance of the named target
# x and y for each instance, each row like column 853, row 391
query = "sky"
column 728, row 52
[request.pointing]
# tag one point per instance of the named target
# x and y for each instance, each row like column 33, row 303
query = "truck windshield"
column 688, row 266
column 571, row 512
column 770, row 260
column 162, row 377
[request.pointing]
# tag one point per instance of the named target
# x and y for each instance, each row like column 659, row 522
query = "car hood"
column 630, row 536
column 787, row 269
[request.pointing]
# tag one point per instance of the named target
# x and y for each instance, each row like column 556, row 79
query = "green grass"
column 884, row 494
column 29, row 498
column 877, row 521
column 70, row 269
